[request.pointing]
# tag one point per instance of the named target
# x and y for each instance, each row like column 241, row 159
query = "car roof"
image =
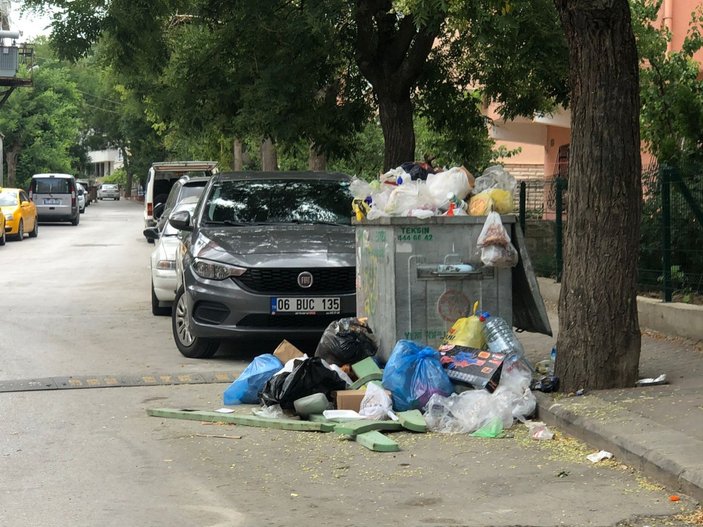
column 186, row 180
column 184, row 166
column 289, row 175
column 52, row 174
column 11, row 189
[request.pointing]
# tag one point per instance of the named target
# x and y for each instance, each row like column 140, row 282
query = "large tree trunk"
column 398, row 133
column 599, row 336
column 392, row 52
column 269, row 160
column 237, row 158
column 317, row 162
column 11, row 159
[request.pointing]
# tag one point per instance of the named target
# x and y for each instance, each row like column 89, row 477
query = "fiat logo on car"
column 305, row 279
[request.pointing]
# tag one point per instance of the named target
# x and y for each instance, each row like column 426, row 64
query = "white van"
column 162, row 176
column 55, row 197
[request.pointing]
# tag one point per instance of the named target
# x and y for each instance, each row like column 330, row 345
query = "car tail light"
column 149, row 209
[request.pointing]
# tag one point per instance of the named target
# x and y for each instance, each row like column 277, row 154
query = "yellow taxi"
column 20, row 213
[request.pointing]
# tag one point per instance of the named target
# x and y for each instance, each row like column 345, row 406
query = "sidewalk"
column 656, row 429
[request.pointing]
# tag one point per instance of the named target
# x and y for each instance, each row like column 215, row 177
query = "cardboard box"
column 286, row 351
column 475, row 367
column 350, row 399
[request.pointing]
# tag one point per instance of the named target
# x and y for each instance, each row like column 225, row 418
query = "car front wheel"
column 20, row 232
column 188, row 344
column 35, row 231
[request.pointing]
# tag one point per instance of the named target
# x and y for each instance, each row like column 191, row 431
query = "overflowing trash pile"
column 477, row 382
column 416, row 190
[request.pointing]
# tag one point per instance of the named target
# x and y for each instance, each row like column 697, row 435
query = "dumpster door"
column 529, row 311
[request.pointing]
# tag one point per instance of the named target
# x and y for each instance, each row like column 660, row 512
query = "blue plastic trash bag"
column 413, row 374
column 248, row 386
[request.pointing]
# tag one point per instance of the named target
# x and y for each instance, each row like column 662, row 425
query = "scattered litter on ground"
column 218, row 436
column 599, row 456
column 649, row 381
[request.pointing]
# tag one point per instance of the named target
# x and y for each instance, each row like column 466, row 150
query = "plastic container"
column 458, row 203
column 501, row 339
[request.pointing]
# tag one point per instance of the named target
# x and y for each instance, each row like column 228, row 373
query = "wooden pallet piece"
column 365, row 367
column 377, row 442
column 241, row 419
column 361, row 426
column 361, row 381
column 413, row 420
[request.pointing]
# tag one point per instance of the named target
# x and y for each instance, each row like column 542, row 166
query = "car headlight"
column 8, row 216
column 166, row 265
column 215, row 270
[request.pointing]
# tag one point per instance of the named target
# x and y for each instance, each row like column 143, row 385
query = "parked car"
column 185, row 187
column 86, row 185
column 82, row 197
column 3, row 236
column 109, row 191
column 55, row 197
column 163, row 175
column 19, row 214
column 265, row 254
column 163, row 261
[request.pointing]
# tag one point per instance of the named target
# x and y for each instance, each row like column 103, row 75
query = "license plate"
column 306, row 305
column 52, row 202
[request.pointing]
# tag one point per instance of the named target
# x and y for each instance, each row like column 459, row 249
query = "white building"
column 104, row 162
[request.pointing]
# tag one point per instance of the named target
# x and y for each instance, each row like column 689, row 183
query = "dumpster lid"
column 529, row 311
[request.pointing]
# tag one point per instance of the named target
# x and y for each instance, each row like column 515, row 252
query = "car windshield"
column 279, row 201
column 8, row 197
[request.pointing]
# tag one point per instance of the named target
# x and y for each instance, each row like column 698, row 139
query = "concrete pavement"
column 656, row 429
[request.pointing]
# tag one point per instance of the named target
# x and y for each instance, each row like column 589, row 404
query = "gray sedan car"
column 264, row 254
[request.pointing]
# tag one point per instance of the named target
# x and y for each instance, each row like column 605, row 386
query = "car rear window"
column 279, row 201
column 52, row 186
column 8, row 197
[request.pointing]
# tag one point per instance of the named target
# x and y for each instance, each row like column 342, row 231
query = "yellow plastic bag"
column 480, row 204
column 466, row 332
column 502, row 200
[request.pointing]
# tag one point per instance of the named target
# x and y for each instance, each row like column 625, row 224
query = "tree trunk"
column 269, row 160
column 599, row 336
column 11, row 158
column 237, row 161
column 317, row 162
column 128, row 171
column 396, row 116
column 392, row 52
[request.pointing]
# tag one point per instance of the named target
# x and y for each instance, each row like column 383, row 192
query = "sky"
column 31, row 25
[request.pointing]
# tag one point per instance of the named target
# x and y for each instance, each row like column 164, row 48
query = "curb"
column 667, row 456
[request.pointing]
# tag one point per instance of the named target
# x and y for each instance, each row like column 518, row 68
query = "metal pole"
column 523, row 200
column 666, row 232
column 559, row 227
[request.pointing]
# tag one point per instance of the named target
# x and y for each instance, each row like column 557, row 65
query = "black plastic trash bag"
column 346, row 341
column 308, row 377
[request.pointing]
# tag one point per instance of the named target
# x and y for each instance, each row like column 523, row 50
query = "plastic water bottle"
column 458, row 203
column 552, row 360
column 501, row 339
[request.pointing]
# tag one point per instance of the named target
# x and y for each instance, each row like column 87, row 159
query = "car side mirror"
column 159, row 210
column 181, row 220
column 151, row 234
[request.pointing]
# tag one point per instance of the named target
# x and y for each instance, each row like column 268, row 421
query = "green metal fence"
column 671, row 244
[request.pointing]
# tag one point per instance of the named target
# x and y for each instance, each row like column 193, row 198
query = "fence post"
column 523, row 202
column 666, row 232
column 559, row 182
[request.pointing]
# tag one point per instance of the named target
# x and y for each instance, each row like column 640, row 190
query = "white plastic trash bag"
column 457, row 181
column 494, row 177
column 376, row 404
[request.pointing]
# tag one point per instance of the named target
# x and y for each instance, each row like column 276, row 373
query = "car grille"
column 293, row 321
column 331, row 280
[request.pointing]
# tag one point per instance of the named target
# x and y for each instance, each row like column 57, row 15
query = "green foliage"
column 670, row 88
column 118, row 176
column 41, row 124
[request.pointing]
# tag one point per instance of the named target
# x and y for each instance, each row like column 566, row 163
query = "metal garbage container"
column 410, row 281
